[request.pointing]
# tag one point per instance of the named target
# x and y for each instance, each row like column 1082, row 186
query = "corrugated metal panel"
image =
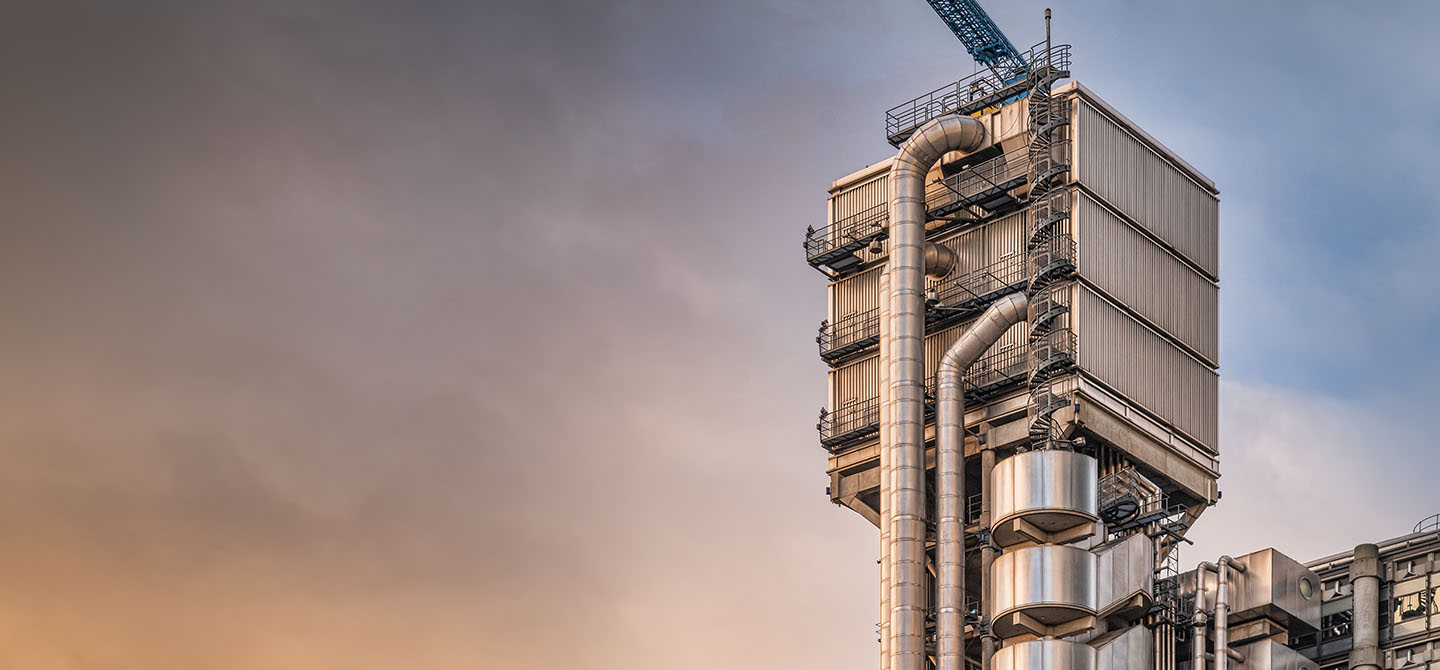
column 1141, row 365
column 1134, row 270
column 860, row 380
column 859, row 198
column 856, row 382
column 979, row 247
column 1147, row 188
column 976, row 248
column 854, row 294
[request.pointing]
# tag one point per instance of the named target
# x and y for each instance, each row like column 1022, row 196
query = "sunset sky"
column 443, row 335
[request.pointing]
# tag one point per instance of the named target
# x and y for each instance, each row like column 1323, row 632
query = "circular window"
column 1306, row 588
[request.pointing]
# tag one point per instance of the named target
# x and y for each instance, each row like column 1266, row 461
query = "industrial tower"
column 1022, row 335
column 1021, row 331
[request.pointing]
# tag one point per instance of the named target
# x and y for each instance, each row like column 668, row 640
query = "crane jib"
column 981, row 37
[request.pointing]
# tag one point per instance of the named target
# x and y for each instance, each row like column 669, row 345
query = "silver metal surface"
column 1141, row 365
column 1134, row 270
column 939, row 260
column 950, row 472
column 1270, row 586
column 1200, row 618
column 1052, row 490
column 1133, row 649
column 1050, row 583
column 1224, row 568
column 1125, row 577
column 987, row 555
column 1120, row 168
column 906, row 358
column 1046, row 655
column 1271, row 655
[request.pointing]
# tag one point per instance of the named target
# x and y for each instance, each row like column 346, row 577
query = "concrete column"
column 1365, row 624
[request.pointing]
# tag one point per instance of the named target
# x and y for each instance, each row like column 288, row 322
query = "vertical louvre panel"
column 859, row 381
column 856, row 382
column 1135, row 271
column 1147, row 188
column 854, row 294
column 1139, row 364
column 859, row 198
column 982, row 247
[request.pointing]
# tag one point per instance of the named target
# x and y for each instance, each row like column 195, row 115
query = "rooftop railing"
column 969, row 95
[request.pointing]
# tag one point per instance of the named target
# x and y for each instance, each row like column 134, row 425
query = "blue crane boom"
column 981, row 37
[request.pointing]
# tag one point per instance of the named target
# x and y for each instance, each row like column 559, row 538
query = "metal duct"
column 1046, row 655
column 1199, row 619
column 885, row 484
column 1365, row 578
column 906, row 270
column 1222, row 610
column 950, row 472
column 939, row 260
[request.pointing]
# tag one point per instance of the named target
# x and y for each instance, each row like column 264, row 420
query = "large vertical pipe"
column 987, row 554
column 1222, row 610
column 885, row 484
column 950, row 473
column 1365, row 625
column 1198, row 620
column 906, row 269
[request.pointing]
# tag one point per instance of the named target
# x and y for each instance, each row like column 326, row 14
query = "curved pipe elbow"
column 940, row 136
column 986, row 330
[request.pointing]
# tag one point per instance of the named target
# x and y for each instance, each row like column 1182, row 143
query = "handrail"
column 976, row 179
column 969, row 291
column 968, row 95
column 857, row 421
column 861, row 227
column 849, row 331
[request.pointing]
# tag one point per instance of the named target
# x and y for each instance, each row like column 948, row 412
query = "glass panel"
column 1335, row 626
column 1409, row 607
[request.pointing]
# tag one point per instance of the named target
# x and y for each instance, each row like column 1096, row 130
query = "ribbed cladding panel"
column 975, row 248
column 1146, row 187
column 856, row 382
column 1134, row 270
column 1141, row 365
column 854, row 294
column 860, row 197
column 860, row 380
column 983, row 246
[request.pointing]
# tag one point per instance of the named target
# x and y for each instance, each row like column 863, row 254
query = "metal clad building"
column 1143, row 305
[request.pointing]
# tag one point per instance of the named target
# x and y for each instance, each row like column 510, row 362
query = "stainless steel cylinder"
column 1048, row 490
column 1050, row 583
column 1045, row 655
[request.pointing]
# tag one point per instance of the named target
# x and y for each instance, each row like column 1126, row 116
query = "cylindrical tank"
column 1050, row 583
column 1050, row 490
column 1045, row 655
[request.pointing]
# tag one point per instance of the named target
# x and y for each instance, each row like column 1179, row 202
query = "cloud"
column 1312, row 474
